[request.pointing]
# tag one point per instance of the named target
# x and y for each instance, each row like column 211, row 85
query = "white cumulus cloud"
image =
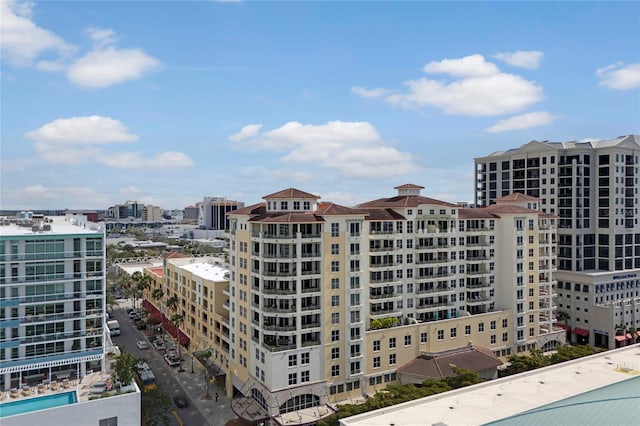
column 108, row 66
column 76, row 140
column 352, row 149
column 94, row 129
column 246, row 132
column 474, row 87
column 521, row 58
column 39, row 196
column 619, row 76
column 523, row 121
column 469, row 66
column 22, row 40
column 370, row 93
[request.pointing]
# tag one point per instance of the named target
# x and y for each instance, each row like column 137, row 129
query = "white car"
column 172, row 360
column 142, row 344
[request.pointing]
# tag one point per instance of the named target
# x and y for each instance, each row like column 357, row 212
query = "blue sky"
column 166, row 102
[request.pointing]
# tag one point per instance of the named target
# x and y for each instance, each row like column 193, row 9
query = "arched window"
column 300, row 402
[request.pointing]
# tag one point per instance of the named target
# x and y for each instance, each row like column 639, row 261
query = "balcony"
column 431, row 306
column 384, row 296
column 280, row 328
column 477, row 300
column 280, row 309
column 279, row 291
column 427, row 290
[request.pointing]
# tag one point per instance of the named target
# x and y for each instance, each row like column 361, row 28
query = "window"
column 493, row 325
column 453, row 332
column 407, row 340
column 304, row 376
column 335, row 283
column 296, row 205
column 335, row 317
column 293, row 378
column 335, row 229
column 376, row 345
column 505, row 337
column 467, row 330
column 335, row 353
column 304, row 358
column 284, row 205
column 111, row 421
column 335, row 266
column 335, row 248
column 493, row 339
column 423, row 337
column 293, row 360
column 440, row 334
column 392, row 342
column 505, row 323
column 480, row 327
column 376, row 362
column 335, row 370
column 307, row 205
column 335, row 300
column 392, row 359
column 335, row 335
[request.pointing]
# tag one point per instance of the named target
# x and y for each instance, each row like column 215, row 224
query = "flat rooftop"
column 60, row 225
column 207, row 271
column 504, row 398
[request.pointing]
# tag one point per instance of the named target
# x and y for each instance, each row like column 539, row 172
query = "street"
column 171, row 381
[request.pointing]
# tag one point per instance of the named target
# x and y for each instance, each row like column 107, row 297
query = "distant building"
column 191, row 213
column 593, row 188
column 91, row 215
column 151, row 214
column 214, row 210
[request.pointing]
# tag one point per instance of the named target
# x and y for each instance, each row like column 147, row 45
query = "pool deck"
column 497, row 399
column 83, row 388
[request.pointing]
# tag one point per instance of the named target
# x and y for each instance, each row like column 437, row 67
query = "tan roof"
column 438, row 366
column 409, row 186
column 404, row 201
column 327, row 209
column 517, row 196
column 292, row 193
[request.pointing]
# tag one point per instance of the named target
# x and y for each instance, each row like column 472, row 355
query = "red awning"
column 150, row 307
column 183, row 339
column 566, row 327
column 580, row 331
column 620, row 338
column 629, row 336
column 145, row 304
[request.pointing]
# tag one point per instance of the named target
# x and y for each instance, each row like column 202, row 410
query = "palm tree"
column 144, row 283
column 158, row 294
column 177, row 320
column 565, row 317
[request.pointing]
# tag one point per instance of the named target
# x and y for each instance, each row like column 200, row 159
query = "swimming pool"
column 37, row 403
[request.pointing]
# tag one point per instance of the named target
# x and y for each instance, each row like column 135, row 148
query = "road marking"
column 177, row 416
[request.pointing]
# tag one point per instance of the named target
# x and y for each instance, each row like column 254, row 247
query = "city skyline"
column 168, row 102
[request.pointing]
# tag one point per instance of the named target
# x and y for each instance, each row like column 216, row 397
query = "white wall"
column 125, row 407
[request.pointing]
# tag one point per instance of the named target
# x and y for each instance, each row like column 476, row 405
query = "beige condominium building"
column 326, row 302
column 593, row 189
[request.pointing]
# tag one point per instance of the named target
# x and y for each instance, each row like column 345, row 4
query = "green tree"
column 156, row 406
column 205, row 360
column 565, row 317
column 177, row 320
column 125, row 367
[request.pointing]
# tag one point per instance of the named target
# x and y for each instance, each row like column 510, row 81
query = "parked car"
column 152, row 339
column 172, row 360
column 142, row 344
column 158, row 344
column 180, row 400
column 133, row 313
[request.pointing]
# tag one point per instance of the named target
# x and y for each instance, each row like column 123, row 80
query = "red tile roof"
column 292, row 193
column 383, row 214
column 300, row 217
column 175, row 255
column 438, row 366
column 409, row 186
column 404, row 201
column 329, row 209
column 517, row 196
column 467, row 213
column 253, row 209
column 158, row 271
column 509, row 209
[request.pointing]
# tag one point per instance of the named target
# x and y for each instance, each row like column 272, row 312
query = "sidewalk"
column 216, row 413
